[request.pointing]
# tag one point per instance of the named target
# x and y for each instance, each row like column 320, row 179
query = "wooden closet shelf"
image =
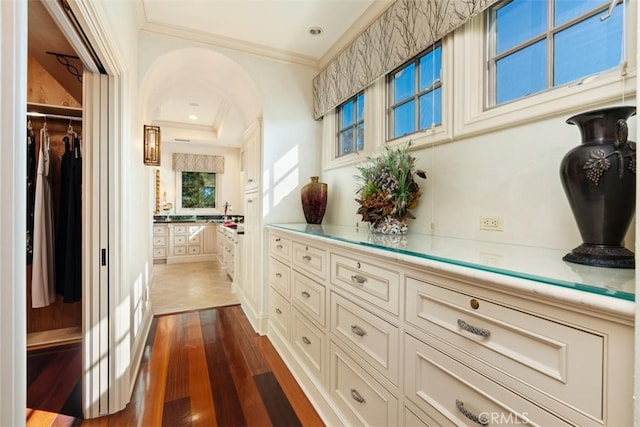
column 53, row 338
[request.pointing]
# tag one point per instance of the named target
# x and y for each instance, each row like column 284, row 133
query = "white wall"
column 229, row 185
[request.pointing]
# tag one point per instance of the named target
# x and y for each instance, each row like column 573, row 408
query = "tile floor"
column 190, row 286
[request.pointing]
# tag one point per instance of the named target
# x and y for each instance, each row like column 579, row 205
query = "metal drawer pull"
column 306, row 258
column 470, row 415
column 306, row 340
column 278, row 311
column 278, row 275
column 358, row 330
column 279, row 246
column 356, row 278
column 305, row 294
column 356, row 396
column 277, row 239
column 474, row 330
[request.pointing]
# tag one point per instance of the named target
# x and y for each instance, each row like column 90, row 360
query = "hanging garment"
column 69, row 235
column 31, row 189
column 43, row 273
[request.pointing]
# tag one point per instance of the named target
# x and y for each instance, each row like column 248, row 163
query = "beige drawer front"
column 179, row 240
column 362, row 399
column 159, row 252
column 180, row 229
column 180, row 250
column 372, row 338
column 194, row 250
column 280, row 276
column 310, row 259
column 379, row 285
column 309, row 296
column 558, row 360
column 159, row 230
column 159, row 240
column 280, row 312
column 453, row 394
column 280, row 246
column 309, row 342
column 194, row 239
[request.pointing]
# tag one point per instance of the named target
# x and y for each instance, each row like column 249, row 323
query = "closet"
column 54, row 110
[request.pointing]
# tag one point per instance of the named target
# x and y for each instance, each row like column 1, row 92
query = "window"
column 350, row 126
column 535, row 45
column 415, row 93
column 197, row 190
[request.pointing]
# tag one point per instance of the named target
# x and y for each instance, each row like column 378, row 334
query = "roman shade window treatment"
column 183, row 162
column 405, row 29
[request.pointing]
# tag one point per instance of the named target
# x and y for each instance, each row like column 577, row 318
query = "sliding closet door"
column 95, row 232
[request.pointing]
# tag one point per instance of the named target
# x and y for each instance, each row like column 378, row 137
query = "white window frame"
column 471, row 116
column 196, row 211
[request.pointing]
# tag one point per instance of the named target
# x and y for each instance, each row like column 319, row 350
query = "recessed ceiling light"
column 315, row 31
column 193, row 117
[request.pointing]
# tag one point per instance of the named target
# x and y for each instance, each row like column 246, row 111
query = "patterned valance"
column 197, row 163
column 405, row 29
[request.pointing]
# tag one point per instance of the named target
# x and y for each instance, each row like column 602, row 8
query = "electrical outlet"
column 492, row 223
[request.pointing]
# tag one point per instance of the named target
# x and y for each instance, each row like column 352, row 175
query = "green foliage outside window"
column 198, row 190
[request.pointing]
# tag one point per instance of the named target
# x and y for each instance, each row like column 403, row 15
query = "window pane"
column 587, row 48
column 346, row 113
column 360, row 137
column 430, row 67
column 404, row 119
column 404, row 83
column 198, row 190
column 346, row 142
column 360, row 107
column 521, row 73
column 519, row 21
column 569, row 9
column 430, row 109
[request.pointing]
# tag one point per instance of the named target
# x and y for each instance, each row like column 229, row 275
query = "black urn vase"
column 599, row 180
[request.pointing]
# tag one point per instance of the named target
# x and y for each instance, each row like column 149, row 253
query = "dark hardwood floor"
column 199, row 368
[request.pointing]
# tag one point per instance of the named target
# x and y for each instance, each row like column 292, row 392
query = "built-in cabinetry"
column 184, row 242
column 230, row 251
column 380, row 339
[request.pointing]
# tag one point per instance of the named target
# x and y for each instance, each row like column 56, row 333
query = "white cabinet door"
column 251, row 157
column 210, row 237
column 252, row 254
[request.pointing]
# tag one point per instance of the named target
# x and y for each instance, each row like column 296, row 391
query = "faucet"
column 227, row 207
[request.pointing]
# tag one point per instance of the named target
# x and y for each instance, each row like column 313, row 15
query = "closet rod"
column 54, row 116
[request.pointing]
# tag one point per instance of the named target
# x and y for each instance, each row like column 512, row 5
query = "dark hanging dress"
column 69, row 244
column 31, row 191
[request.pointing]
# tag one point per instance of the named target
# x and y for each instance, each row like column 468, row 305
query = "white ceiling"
column 273, row 28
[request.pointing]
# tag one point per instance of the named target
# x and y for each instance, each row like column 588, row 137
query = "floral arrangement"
column 388, row 190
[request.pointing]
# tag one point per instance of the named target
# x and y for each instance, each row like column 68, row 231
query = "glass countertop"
column 526, row 262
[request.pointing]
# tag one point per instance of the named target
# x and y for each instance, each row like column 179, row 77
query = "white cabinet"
column 210, row 240
column 250, row 157
column 160, row 243
column 385, row 341
column 230, row 249
column 252, row 255
column 190, row 242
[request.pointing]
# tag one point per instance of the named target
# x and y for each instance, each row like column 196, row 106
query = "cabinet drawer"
column 309, row 342
column 362, row 399
column 180, row 229
column 310, row 259
column 279, row 312
column 280, row 246
column 372, row 280
column 194, row 239
column 159, row 252
column 279, row 276
column 555, row 359
column 179, row 240
column 309, row 296
column 372, row 338
column 194, row 250
column 159, row 240
column 179, row 250
column 159, row 230
column 195, row 230
column 453, row 394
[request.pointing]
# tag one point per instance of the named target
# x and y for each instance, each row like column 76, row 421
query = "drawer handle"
column 470, row 415
column 305, row 294
column 278, row 275
column 277, row 239
column 356, row 278
column 306, row 340
column 472, row 329
column 279, row 246
column 278, row 311
column 356, row 396
column 306, row 258
column 358, row 330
